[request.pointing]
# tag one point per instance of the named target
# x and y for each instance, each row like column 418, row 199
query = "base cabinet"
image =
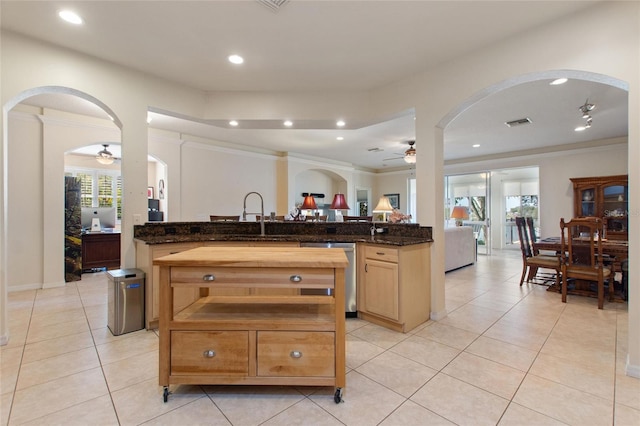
column 394, row 285
column 253, row 338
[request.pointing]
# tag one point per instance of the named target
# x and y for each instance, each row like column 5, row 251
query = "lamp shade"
column 339, row 203
column 309, row 203
column 460, row 212
column 383, row 206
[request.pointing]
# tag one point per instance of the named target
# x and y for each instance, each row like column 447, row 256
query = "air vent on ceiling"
column 375, row 149
column 518, row 122
column 274, row 5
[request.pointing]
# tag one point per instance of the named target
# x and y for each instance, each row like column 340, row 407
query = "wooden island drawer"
column 254, row 277
column 296, row 354
column 210, row 352
column 384, row 254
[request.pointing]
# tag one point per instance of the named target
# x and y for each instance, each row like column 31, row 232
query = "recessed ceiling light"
column 559, row 81
column 236, row 59
column 70, row 16
column 340, row 123
column 288, row 123
column 476, row 145
column 233, row 123
column 340, row 138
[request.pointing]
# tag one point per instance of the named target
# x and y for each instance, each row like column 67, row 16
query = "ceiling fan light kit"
column 105, row 156
column 410, row 154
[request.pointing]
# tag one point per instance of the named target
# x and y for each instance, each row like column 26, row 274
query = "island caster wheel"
column 337, row 397
column 165, row 394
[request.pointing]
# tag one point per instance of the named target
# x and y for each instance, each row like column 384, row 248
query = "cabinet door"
column 381, row 288
column 586, row 203
column 182, row 298
column 614, row 209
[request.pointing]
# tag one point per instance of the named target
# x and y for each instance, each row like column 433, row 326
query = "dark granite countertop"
column 303, row 232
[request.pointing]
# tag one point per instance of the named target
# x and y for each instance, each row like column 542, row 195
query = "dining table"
column 616, row 250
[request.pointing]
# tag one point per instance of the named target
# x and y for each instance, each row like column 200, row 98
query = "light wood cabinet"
column 394, row 285
column 253, row 338
column 145, row 254
column 606, row 197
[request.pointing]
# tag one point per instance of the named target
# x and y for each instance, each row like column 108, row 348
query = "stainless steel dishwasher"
column 351, row 306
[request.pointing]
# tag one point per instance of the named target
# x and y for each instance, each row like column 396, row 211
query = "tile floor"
column 504, row 355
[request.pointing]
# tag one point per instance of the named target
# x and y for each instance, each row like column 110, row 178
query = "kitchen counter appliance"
column 351, row 307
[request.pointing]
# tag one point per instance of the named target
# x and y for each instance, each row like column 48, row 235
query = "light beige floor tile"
column 10, row 359
column 502, row 352
column 53, row 347
column 56, row 330
column 120, row 349
column 354, row 324
column 517, row 415
column 448, row 335
column 379, row 336
column 98, row 411
column 518, row 334
column 199, row 412
column 143, row 401
column 596, row 381
column 626, row 416
column 485, row 374
column 410, row 413
column 398, row 373
column 47, row 398
column 577, row 407
column 252, row 405
column 5, row 407
column 475, row 319
column 304, row 413
column 628, row 390
column 366, row 402
column 359, row 351
column 426, row 352
column 131, row 370
column 56, row 367
column 57, row 317
column 460, row 402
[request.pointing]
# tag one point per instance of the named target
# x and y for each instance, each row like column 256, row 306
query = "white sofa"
column 459, row 247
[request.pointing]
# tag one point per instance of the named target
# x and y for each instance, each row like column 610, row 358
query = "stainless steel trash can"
column 125, row 300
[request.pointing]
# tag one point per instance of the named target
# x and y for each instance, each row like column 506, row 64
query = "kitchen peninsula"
column 393, row 265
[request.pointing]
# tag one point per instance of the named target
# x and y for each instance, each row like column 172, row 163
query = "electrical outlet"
column 137, row 219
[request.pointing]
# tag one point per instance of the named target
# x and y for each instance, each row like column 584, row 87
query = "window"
column 99, row 188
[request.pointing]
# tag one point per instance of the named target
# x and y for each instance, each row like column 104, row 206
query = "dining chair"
column 217, row 218
column 582, row 257
column 530, row 261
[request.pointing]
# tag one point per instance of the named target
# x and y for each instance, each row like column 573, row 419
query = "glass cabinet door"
column 614, row 208
column 587, row 204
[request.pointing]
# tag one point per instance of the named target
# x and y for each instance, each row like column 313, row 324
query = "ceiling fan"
column 409, row 155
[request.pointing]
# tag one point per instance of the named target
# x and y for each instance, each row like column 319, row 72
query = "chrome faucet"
column 244, row 211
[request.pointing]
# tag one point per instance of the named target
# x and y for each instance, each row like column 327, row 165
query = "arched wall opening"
column 36, row 166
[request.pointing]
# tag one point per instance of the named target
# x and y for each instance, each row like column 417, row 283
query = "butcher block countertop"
column 257, row 257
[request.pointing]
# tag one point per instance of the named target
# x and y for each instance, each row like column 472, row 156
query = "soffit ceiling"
column 328, row 46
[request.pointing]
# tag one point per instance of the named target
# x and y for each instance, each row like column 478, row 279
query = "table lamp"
column 459, row 213
column 339, row 203
column 384, row 207
column 309, row 203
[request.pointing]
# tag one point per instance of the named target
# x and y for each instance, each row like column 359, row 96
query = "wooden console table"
column 100, row 250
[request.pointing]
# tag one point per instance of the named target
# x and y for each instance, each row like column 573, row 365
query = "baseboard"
column 437, row 316
column 632, row 370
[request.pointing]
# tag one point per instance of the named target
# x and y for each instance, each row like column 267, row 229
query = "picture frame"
column 394, row 200
column 149, row 191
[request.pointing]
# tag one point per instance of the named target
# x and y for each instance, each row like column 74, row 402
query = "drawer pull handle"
column 209, row 277
column 209, row 354
column 295, row 354
column 295, row 278
column 380, row 253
